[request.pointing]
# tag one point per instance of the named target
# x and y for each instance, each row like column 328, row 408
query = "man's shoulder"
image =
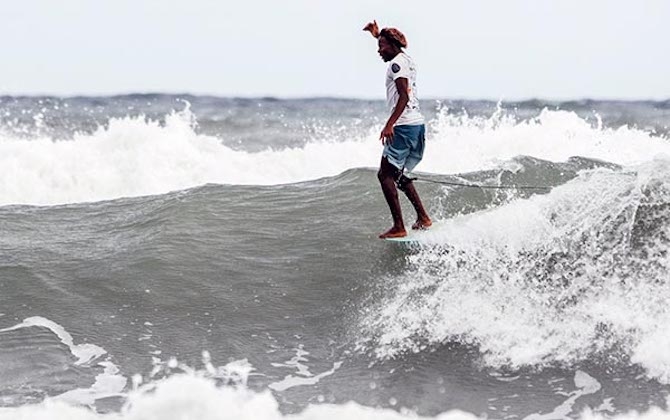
column 404, row 58
column 399, row 62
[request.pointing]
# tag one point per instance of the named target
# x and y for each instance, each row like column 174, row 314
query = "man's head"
column 391, row 42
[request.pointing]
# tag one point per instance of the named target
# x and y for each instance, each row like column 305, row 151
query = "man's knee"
column 388, row 172
column 403, row 182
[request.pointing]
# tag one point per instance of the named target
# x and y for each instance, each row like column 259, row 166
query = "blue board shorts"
column 406, row 150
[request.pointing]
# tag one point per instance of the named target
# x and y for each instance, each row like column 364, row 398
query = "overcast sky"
column 496, row 49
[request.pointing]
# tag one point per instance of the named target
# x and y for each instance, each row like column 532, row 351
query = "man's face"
column 386, row 50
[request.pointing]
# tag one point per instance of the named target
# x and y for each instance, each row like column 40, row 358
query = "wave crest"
column 553, row 280
column 136, row 156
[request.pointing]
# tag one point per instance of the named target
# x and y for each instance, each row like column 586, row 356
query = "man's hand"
column 387, row 135
column 372, row 28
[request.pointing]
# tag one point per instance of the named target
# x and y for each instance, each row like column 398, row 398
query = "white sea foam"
column 585, row 385
column 655, row 413
column 555, row 279
column 133, row 156
column 192, row 397
column 189, row 396
column 303, row 375
column 107, row 384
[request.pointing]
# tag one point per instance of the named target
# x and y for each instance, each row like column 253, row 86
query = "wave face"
column 219, row 259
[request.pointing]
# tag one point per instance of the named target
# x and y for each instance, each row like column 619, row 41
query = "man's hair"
column 394, row 36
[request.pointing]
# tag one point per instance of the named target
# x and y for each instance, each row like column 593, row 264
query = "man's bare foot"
column 422, row 224
column 394, row 232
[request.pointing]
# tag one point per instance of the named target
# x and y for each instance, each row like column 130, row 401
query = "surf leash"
column 498, row 187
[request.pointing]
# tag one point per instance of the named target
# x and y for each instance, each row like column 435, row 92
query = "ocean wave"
column 557, row 279
column 135, row 156
column 174, row 390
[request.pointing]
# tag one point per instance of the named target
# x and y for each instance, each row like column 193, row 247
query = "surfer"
column 403, row 135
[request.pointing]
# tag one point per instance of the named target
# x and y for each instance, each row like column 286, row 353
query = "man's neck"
column 395, row 55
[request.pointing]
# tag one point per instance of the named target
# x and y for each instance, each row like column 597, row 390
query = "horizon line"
column 331, row 97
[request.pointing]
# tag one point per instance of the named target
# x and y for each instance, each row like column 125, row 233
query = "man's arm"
column 402, row 85
column 373, row 28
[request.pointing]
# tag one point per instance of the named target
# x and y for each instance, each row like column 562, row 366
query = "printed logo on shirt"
column 395, row 67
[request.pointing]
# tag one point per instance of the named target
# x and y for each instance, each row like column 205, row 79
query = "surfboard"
column 405, row 239
column 416, row 236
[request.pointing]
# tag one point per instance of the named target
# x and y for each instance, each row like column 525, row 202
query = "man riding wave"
column 403, row 135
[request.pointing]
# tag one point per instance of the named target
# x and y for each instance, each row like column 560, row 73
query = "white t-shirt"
column 403, row 66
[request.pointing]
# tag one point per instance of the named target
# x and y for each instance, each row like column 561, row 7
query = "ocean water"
column 174, row 257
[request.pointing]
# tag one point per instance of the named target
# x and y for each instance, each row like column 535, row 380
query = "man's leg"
column 417, row 140
column 387, row 177
column 406, row 185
